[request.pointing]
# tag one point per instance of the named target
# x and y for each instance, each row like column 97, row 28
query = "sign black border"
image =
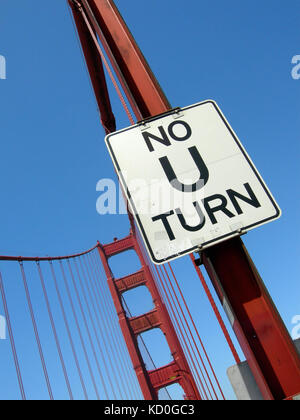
column 213, row 241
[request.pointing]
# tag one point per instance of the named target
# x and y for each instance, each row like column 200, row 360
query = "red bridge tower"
column 178, row 370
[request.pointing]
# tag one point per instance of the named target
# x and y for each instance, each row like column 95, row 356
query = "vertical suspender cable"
column 184, row 334
column 196, row 330
column 87, row 330
column 217, row 313
column 110, row 317
column 79, row 332
column 68, row 331
column 36, row 333
column 118, row 340
column 96, row 334
column 105, row 322
column 63, row 365
column 191, row 334
column 12, row 340
column 110, row 353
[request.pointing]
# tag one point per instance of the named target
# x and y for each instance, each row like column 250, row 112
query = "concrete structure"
column 297, row 343
column 243, row 382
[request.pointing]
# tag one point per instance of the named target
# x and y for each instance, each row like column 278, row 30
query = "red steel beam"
column 267, row 345
column 96, row 71
column 139, row 83
column 260, row 330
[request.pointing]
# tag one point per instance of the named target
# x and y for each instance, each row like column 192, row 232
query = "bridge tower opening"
column 176, row 372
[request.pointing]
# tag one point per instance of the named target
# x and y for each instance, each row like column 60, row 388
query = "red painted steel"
column 191, row 334
column 179, row 372
column 130, row 282
column 165, row 376
column 95, row 67
column 261, row 333
column 139, row 84
column 216, row 311
column 66, row 257
column 265, row 341
column 145, row 322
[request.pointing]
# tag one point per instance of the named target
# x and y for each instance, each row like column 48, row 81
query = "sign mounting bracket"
column 144, row 121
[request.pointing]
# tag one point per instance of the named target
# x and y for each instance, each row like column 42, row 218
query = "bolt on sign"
column 189, row 181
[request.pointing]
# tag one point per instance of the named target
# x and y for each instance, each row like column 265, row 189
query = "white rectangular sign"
column 189, row 181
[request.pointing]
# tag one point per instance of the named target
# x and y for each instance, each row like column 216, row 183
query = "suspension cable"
column 180, row 325
column 110, row 332
column 12, row 340
column 216, row 311
column 110, row 351
column 202, row 345
column 185, row 322
column 63, row 365
column 94, row 327
column 79, row 332
column 36, row 332
column 109, row 308
column 68, row 331
column 87, row 329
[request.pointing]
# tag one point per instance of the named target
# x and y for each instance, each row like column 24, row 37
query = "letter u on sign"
column 170, row 173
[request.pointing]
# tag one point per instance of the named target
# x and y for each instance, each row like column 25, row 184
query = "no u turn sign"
column 189, row 181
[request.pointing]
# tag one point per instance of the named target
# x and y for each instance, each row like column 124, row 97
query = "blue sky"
column 52, row 144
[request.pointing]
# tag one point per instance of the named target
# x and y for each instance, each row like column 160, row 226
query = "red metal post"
column 266, row 343
column 140, row 85
column 95, row 67
column 260, row 330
